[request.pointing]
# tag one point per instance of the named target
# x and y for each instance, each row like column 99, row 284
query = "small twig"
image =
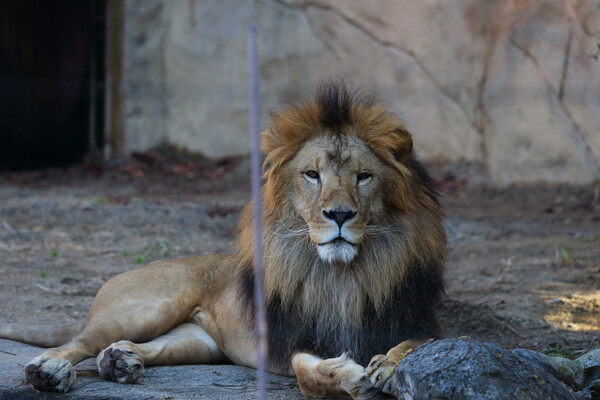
column 5, row 226
column 7, row 352
column 46, row 289
column 507, row 263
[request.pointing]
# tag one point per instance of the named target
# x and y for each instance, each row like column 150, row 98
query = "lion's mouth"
column 337, row 241
column 337, row 250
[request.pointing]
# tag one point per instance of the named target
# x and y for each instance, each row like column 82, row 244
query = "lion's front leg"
column 381, row 368
column 333, row 377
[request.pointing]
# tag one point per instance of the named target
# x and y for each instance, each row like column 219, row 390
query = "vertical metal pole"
column 259, row 297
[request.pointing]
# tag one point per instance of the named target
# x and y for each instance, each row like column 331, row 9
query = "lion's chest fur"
column 407, row 313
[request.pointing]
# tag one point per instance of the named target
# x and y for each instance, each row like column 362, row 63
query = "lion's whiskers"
column 379, row 229
column 292, row 232
column 286, row 249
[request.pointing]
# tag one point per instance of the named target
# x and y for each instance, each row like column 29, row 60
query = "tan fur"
column 190, row 310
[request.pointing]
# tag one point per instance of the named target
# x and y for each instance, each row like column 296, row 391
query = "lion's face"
column 337, row 182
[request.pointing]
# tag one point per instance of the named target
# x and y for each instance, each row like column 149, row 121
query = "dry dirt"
column 523, row 270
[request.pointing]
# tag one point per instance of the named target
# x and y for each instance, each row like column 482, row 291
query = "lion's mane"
column 390, row 292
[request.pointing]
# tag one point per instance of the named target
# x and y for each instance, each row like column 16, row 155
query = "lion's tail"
column 44, row 335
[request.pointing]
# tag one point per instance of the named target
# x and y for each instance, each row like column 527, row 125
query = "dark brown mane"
column 335, row 104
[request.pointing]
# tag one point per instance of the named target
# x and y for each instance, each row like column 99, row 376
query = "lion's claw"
column 365, row 390
column 381, row 373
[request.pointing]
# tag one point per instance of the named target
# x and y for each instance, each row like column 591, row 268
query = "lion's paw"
column 353, row 378
column 50, row 374
column 120, row 363
column 381, row 373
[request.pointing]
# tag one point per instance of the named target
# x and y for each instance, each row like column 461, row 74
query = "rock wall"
column 511, row 84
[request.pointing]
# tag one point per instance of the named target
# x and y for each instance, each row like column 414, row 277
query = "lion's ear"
column 403, row 144
column 267, row 144
column 267, row 141
column 276, row 152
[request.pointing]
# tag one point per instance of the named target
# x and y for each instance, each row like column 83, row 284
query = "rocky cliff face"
column 511, row 84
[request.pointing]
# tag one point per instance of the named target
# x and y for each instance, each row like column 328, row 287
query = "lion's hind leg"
column 334, row 377
column 138, row 305
column 53, row 369
column 187, row 343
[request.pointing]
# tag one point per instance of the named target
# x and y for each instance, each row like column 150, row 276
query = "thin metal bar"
column 259, row 296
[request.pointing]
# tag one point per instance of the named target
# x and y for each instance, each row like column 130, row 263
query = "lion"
column 354, row 250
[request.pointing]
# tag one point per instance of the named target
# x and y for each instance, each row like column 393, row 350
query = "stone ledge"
column 222, row 382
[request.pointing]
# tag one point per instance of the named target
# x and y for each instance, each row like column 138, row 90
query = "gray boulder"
column 466, row 369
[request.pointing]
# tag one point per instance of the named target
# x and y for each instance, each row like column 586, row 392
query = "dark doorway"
column 51, row 82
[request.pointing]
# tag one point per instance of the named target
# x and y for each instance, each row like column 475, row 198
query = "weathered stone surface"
column 222, row 382
column 510, row 84
column 532, row 131
column 462, row 369
column 392, row 49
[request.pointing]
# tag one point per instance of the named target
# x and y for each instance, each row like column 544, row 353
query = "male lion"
column 354, row 251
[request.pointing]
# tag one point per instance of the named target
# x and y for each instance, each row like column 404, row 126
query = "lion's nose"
column 339, row 216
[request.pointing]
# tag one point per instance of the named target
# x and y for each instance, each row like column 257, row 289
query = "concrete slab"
column 222, row 382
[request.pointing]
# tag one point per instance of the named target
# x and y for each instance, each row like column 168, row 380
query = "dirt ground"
column 523, row 269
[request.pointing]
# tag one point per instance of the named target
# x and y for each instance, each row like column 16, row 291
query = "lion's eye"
column 363, row 176
column 312, row 174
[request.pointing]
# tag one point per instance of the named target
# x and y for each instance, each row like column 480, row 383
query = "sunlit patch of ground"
column 575, row 312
